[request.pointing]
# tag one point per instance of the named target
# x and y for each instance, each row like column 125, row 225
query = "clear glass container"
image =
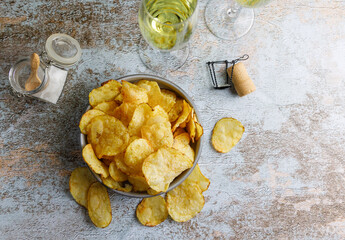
column 61, row 52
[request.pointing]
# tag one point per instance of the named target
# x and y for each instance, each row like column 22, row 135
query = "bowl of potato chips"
column 141, row 135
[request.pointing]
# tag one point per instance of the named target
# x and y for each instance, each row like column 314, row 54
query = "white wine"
column 167, row 24
column 252, row 3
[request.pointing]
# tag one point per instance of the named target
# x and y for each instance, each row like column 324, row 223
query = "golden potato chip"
column 183, row 116
column 116, row 173
column 108, row 136
column 119, row 161
column 179, row 131
column 107, row 107
column 158, row 115
column 87, row 117
column 152, row 211
column 92, row 161
column 158, row 134
column 125, row 112
column 199, row 131
column 79, row 183
column 111, row 183
column 139, row 183
column 140, row 115
column 119, row 99
column 191, row 128
column 155, row 96
column 197, row 177
column 107, row 92
column 169, row 94
column 184, row 202
column 167, row 100
column 98, row 205
column 136, row 153
column 161, row 167
column 133, row 94
column 226, row 134
column 176, row 110
column 181, row 143
column 152, row 192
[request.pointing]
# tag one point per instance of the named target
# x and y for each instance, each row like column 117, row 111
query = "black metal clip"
column 228, row 78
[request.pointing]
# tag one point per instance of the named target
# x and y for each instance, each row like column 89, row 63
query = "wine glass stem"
column 234, row 11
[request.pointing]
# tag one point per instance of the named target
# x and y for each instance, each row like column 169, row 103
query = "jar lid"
column 63, row 50
column 19, row 74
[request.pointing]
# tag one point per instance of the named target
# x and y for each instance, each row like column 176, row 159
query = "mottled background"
column 285, row 178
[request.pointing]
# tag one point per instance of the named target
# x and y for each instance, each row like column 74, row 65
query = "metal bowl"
column 163, row 83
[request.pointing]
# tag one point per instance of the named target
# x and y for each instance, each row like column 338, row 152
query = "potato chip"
column 79, row 183
column 116, row 173
column 158, row 115
column 107, row 92
column 87, row 117
column 155, row 96
column 139, row 183
column 92, row 161
column 125, row 112
column 98, row 205
column 111, row 183
column 133, row 94
column 158, row 134
column 140, row 115
column 176, row 110
column 184, row 202
column 191, row 128
column 226, row 134
column 199, row 131
column 169, row 94
column 119, row 161
column 179, row 131
column 108, row 136
column 161, row 167
column 181, row 143
column 197, row 177
column 183, row 116
column 107, row 107
column 136, row 153
column 152, row 211
column 119, row 99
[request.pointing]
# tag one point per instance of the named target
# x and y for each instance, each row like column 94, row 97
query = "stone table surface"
column 284, row 179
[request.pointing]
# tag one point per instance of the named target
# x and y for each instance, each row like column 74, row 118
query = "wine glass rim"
column 175, row 24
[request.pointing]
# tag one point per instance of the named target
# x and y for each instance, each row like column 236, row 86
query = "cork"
column 242, row 82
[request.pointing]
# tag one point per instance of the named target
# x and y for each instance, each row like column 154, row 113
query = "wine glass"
column 166, row 27
column 231, row 19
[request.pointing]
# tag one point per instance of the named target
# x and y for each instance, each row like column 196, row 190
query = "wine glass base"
column 224, row 23
column 160, row 61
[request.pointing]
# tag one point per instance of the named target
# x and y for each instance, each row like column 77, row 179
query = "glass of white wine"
column 231, row 19
column 166, row 26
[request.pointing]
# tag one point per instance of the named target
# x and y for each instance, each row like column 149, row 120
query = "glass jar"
column 61, row 52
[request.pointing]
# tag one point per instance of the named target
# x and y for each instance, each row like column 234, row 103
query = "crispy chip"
column 191, row 128
column 226, row 134
column 140, row 115
column 133, row 94
column 183, row 116
column 139, row 183
column 87, row 117
column 181, row 143
column 79, row 183
column 98, row 205
column 119, row 161
column 184, row 202
column 199, row 131
column 197, row 177
column 125, row 112
column 116, row 173
column 158, row 134
column 92, row 161
column 179, row 131
column 107, row 107
column 161, row 167
column 176, row 110
column 108, row 136
column 136, row 153
column 111, row 183
column 107, row 92
column 152, row 211
column 119, row 99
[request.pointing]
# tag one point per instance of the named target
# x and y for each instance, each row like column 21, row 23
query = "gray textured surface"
column 285, row 178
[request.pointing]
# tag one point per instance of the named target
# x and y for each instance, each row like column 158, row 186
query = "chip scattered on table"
column 152, row 211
